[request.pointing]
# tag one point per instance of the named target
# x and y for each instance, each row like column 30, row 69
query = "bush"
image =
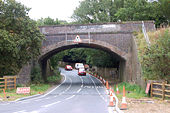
column 155, row 60
column 36, row 76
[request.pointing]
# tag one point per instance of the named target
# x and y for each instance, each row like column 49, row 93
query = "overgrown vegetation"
column 155, row 60
column 36, row 76
column 132, row 90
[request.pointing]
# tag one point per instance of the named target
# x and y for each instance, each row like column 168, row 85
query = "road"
column 76, row 94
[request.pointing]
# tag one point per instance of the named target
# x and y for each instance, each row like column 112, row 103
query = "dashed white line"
column 51, row 104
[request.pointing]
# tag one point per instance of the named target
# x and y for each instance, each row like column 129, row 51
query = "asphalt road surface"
column 76, row 94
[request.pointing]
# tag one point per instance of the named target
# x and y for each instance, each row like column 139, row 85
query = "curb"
column 24, row 98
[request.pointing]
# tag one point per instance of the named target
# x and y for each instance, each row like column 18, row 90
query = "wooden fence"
column 8, row 82
column 160, row 90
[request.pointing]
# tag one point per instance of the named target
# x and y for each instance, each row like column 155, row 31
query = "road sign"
column 23, row 90
column 77, row 39
column 147, row 88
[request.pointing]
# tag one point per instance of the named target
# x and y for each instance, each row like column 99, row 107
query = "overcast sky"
column 61, row 9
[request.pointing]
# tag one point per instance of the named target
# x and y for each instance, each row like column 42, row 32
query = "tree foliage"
column 50, row 21
column 94, row 11
column 20, row 38
column 85, row 55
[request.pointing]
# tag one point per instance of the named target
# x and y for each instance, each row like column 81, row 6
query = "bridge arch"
column 53, row 49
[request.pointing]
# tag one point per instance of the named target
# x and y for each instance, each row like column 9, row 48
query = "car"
column 79, row 65
column 68, row 67
column 81, row 72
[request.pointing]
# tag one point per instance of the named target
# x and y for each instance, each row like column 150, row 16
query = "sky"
column 61, row 9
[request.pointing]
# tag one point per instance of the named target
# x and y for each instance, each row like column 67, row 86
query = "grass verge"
column 132, row 90
column 35, row 89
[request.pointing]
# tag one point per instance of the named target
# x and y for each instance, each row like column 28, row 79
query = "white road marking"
column 51, row 104
column 79, row 90
column 70, row 97
column 66, row 89
column 57, row 86
column 98, row 90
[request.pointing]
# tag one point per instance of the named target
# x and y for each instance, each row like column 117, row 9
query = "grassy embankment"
column 36, row 88
column 134, row 91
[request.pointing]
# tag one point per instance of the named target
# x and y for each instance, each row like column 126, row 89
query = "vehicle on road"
column 81, row 72
column 79, row 65
column 68, row 67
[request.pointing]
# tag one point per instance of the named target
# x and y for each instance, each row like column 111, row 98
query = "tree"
column 165, row 8
column 85, row 55
column 50, row 21
column 20, row 38
column 95, row 11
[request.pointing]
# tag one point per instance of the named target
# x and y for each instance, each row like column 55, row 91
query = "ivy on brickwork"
column 155, row 60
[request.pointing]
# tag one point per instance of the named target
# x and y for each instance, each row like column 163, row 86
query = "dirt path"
column 147, row 105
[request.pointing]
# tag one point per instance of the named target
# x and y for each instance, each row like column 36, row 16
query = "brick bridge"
column 114, row 38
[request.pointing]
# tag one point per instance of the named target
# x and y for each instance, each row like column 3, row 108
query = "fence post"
column 151, row 89
column 163, row 90
column 14, row 82
column 5, row 83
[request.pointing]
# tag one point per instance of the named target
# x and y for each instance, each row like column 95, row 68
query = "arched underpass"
column 117, row 55
column 117, row 39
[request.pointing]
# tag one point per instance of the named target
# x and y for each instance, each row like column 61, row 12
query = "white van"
column 79, row 65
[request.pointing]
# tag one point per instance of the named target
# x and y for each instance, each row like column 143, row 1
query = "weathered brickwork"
column 115, row 38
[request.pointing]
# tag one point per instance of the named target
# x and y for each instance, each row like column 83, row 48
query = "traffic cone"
column 113, row 92
column 110, row 91
column 117, row 89
column 107, row 85
column 124, row 103
column 4, row 93
column 111, row 104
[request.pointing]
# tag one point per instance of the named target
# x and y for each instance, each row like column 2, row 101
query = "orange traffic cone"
column 4, row 93
column 111, row 104
column 113, row 97
column 117, row 89
column 124, row 103
column 107, row 85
